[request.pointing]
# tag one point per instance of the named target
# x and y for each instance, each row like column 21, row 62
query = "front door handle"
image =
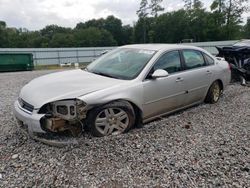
column 179, row 80
column 209, row 72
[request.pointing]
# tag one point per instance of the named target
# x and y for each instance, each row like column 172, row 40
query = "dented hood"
column 64, row 85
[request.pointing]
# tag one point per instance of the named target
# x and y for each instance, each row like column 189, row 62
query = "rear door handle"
column 179, row 80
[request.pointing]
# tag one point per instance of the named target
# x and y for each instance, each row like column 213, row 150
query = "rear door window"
column 193, row 59
column 209, row 60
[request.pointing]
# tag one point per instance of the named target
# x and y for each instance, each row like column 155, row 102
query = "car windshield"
column 122, row 63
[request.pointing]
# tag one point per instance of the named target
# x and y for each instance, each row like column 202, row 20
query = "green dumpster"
column 16, row 62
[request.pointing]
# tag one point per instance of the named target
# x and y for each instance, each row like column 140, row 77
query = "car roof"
column 158, row 47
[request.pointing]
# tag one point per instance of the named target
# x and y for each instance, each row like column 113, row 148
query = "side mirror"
column 160, row 73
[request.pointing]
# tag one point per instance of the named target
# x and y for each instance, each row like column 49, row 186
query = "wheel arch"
column 220, row 83
column 208, row 98
column 138, row 114
column 137, row 110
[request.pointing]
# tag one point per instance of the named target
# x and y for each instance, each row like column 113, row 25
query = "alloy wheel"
column 112, row 121
column 216, row 92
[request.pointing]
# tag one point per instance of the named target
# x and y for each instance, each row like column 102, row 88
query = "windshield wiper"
column 104, row 74
column 85, row 69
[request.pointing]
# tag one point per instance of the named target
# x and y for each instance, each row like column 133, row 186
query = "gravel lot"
column 204, row 146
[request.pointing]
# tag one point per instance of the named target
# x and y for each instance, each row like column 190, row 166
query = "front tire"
column 111, row 119
column 214, row 93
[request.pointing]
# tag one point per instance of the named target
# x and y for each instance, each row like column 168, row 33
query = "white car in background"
column 126, row 87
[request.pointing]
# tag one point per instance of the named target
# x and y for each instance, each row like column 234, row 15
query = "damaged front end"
column 64, row 116
column 239, row 58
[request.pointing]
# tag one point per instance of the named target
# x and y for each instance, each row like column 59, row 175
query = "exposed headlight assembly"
column 69, row 109
column 63, row 115
column 81, row 109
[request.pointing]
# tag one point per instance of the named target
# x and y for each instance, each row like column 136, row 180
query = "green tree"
column 50, row 30
column 142, row 30
column 197, row 4
column 233, row 10
column 192, row 4
column 98, row 23
column 127, row 35
column 218, row 5
column 171, row 27
column 142, row 26
column 3, row 34
column 143, row 10
column 62, row 40
column 111, row 24
column 93, row 37
column 114, row 26
column 197, row 21
column 2, row 24
column 188, row 4
column 51, row 34
column 247, row 29
column 142, row 14
column 156, row 7
column 229, row 15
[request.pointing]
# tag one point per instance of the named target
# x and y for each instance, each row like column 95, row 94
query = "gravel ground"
column 204, row 146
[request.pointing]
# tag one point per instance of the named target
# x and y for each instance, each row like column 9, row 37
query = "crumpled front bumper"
column 32, row 121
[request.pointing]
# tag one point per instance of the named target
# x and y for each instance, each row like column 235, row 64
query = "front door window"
column 169, row 62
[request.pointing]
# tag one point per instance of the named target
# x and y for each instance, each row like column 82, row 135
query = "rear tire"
column 214, row 93
column 111, row 119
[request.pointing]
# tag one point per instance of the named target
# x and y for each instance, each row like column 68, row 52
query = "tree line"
column 223, row 21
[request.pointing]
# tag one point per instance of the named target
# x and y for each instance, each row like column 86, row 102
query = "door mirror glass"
column 159, row 73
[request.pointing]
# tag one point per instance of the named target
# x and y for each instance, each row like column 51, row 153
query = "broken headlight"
column 66, row 109
column 62, row 109
column 69, row 109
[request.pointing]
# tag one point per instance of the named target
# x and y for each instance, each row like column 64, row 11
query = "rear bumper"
column 31, row 120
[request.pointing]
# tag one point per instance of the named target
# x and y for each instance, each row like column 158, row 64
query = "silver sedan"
column 124, row 88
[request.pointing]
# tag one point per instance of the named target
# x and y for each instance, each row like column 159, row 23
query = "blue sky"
column 35, row 14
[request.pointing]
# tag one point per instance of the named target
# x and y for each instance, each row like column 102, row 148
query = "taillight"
column 229, row 66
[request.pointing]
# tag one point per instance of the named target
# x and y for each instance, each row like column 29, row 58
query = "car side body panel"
column 152, row 97
column 195, row 84
column 130, row 91
column 162, row 95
